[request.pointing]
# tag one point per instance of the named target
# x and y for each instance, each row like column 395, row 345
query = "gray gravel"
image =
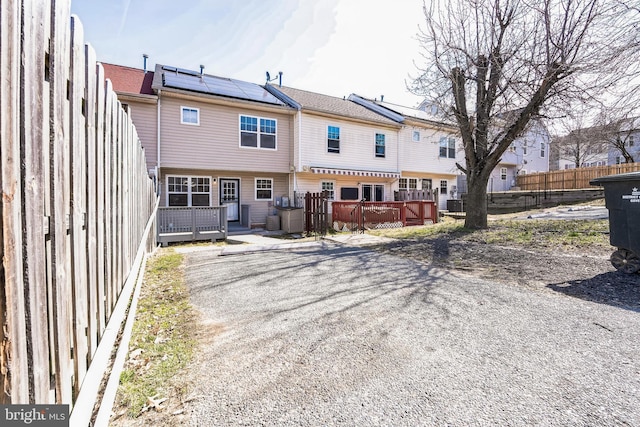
column 347, row 336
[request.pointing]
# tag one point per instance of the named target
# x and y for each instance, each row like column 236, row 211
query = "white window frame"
column 255, row 189
column 444, row 186
column 182, row 111
column 190, row 186
column 333, row 150
column 542, row 149
column 503, row 174
column 258, row 133
column 383, row 145
column 332, row 191
column 415, row 137
column 411, row 184
column 449, row 144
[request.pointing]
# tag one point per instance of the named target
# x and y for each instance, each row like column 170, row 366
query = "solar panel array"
column 193, row 81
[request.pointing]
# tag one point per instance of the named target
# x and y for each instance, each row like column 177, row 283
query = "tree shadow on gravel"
column 612, row 288
column 338, row 279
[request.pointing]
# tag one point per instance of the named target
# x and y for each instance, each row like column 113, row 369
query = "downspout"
column 295, row 179
column 158, row 141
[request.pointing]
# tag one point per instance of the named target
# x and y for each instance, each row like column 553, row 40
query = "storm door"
column 230, row 197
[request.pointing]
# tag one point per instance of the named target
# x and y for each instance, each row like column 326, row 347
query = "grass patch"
column 540, row 233
column 161, row 343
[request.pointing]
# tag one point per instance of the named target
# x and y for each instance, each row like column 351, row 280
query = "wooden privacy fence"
column 76, row 202
column 571, row 179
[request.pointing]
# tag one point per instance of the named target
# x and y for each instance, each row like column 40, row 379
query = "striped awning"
column 352, row 172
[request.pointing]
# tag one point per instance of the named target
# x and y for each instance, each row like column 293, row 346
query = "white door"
column 230, row 197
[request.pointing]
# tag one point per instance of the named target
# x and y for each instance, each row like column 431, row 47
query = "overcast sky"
column 334, row 47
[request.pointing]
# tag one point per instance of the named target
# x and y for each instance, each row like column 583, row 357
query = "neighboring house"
column 133, row 87
column 428, row 149
column 341, row 147
column 529, row 153
column 628, row 135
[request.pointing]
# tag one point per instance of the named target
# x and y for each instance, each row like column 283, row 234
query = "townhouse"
column 341, row 147
column 217, row 141
column 428, row 149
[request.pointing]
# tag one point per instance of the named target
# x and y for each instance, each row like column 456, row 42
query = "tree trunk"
column 476, row 206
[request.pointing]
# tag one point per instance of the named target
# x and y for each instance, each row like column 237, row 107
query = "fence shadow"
column 611, row 288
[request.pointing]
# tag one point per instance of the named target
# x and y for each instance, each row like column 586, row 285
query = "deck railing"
column 370, row 215
column 183, row 224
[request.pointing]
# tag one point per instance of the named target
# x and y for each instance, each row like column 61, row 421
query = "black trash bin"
column 622, row 197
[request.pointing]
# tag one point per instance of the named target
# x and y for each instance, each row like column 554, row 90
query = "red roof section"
column 129, row 80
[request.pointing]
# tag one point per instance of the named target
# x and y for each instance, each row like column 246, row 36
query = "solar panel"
column 190, row 80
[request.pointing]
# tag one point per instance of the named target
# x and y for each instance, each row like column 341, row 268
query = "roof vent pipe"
column 201, row 69
column 381, row 98
column 280, row 81
column 144, row 60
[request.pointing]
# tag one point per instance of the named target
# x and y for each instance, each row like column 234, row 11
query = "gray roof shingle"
column 332, row 105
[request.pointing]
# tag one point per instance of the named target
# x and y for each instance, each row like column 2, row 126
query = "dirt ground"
column 582, row 273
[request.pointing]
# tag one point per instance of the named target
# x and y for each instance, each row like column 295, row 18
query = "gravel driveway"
column 348, row 336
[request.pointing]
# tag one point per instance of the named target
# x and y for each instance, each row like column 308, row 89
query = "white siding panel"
column 357, row 145
column 424, row 156
column 215, row 143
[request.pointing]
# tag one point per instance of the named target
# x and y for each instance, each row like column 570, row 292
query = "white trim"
column 255, row 189
column 331, row 181
column 189, row 193
column 353, row 172
column 339, row 139
column 257, row 133
column 375, row 145
column 197, row 110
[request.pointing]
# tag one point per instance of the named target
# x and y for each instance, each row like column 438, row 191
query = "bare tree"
column 618, row 130
column 582, row 143
column 498, row 64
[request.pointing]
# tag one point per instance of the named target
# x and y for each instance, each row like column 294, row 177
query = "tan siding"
column 357, row 145
column 144, row 116
column 215, row 143
column 259, row 208
column 311, row 183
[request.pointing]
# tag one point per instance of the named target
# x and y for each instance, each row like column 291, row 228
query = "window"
column 373, row 193
column 503, row 174
column 329, row 187
column 416, row 136
column 631, row 141
column 448, row 147
column 443, row 187
column 333, row 139
column 512, row 148
column 190, row 116
column 264, row 189
column 188, row 191
column 427, row 184
column 407, row 184
column 379, row 145
column 524, row 149
column 254, row 136
column 542, row 148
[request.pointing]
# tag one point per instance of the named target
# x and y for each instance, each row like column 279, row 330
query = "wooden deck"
column 190, row 224
column 371, row 215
